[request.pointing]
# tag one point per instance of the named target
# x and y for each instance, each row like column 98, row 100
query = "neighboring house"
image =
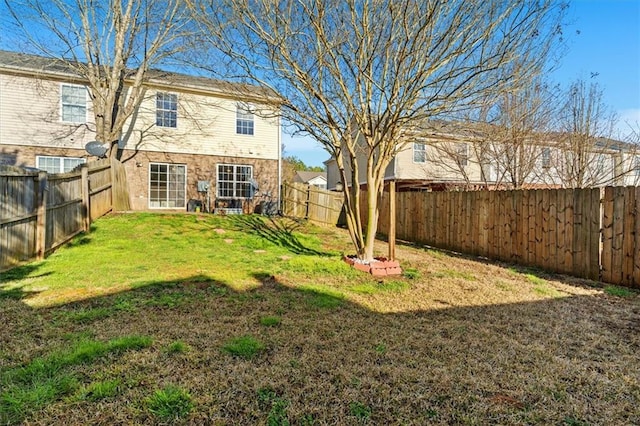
column 189, row 134
column 318, row 179
column 452, row 157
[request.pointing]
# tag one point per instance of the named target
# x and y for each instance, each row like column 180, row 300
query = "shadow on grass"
column 276, row 230
column 18, row 273
column 15, row 293
column 327, row 354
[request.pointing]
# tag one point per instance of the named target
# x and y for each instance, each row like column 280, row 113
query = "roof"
column 305, row 177
column 23, row 63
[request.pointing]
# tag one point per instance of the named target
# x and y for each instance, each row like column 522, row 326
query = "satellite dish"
column 254, row 184
column 96, row 148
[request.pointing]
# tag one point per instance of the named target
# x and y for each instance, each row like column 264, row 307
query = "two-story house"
column 453, row 156
column 191, row 138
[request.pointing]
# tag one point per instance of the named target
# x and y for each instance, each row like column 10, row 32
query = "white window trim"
column 61, row 158
column 86, row 104
column 149, row 186
column 245, row 110
column 234, row 181
column 156, row 109
column 413, row 152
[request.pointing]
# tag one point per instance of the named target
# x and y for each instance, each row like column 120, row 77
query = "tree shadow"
column 528, row 362
column 15, row 293
column 18, row 273
column 279, row 231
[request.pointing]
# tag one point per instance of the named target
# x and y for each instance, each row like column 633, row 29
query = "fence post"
column 112, row 173
column 306, row 213
column 392, row 220
column 86, row 206
column 41, row 221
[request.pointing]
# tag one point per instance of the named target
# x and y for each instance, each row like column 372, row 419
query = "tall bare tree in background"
column 112, row 44
column 588, row 154
column 518, row 129
column 356, row 74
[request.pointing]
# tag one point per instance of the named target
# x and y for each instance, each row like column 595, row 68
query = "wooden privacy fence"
column 557, row 230
column 620, row 255
column 309, row 202
column 40, row 211
column 589, row 233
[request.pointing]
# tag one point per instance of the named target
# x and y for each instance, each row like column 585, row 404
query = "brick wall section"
column 199, row 167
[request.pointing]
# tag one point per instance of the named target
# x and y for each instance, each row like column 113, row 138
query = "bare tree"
column 520, row 146
column 110, row 44
column 356, row 74
column 589, row 156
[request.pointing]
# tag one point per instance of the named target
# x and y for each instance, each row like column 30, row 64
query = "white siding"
column 439, row 166
column 206, row 125
column 30, row 115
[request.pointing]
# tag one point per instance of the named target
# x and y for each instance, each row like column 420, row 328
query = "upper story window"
column 244, row 121
column 73, row 99
column 462, row 153
column 58, row 164
column 546, row 157
column 166, row 109
column 636, row 165
column 419, row 152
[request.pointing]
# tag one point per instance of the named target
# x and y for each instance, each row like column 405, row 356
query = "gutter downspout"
column 279, row 164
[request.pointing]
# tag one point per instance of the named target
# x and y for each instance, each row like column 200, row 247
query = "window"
column 74, row 103
column 546, row 158
column 167, row 185
column 58, row 164
column 636, row 165
column 166, row 109
column 462, row 153
column 244, row 122
column 419, row 153
column 605, row 164
column 234, row 181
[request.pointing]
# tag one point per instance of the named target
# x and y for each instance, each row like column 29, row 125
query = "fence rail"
column 40, row 211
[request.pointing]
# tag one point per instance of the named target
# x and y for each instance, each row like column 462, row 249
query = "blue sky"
column 603, row 37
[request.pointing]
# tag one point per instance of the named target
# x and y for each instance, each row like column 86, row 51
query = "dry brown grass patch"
column 478, row 345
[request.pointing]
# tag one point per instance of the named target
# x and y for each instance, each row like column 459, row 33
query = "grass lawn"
column 198, row 319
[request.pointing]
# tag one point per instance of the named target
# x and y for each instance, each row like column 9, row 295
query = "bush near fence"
column 41, row 211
